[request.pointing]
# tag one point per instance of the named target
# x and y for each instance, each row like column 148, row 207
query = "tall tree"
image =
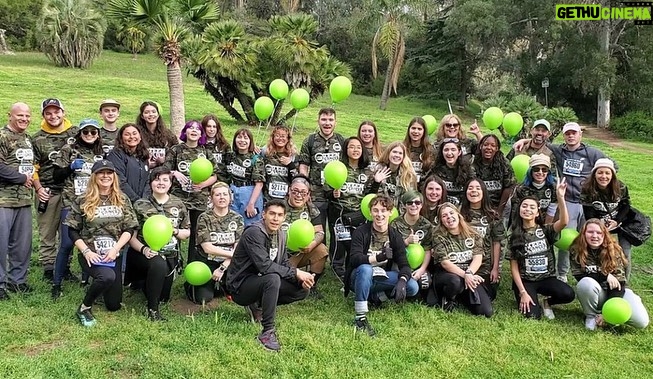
column 171, row 21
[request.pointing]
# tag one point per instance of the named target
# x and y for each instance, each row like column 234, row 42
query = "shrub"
column 634, row 125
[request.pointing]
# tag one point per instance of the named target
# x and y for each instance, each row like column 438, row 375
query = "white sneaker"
column 562, row 278
column 590, row 322
column 547, row 311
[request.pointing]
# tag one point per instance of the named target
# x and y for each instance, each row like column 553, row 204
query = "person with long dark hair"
column 155, row 132
column 216, row 144
column 247, row 177
column 434, row 191
column 495, row 171
column 419, row 149
column 367, row 133
column 131, row 159
column 454, row 168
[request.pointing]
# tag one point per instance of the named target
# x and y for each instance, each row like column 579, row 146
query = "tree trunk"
column 386, row 86
column 217, row 95
column 176, row 89
column 603, row 101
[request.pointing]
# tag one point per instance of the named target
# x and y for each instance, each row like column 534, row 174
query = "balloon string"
column 294, row 120
column 258, row 133
column 272, row 115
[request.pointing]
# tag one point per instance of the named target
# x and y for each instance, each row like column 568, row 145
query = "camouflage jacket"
column 16, row 154
column 179, row 158
column 315, row 153
column 223, row 232
column 46, row 149
column 174, row 209
column 75, row 184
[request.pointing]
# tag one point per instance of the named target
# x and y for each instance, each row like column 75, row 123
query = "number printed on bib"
column 536, row 265
column 26, row 169
column 80, row 184
column 157, row 153
column 278, row 189
column 342, row 232
column 572, row 167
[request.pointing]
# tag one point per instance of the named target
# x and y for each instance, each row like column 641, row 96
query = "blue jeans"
column 364, row 283
column 62, row 262
column 241, row 199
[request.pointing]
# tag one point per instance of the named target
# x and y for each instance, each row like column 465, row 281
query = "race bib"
column 536, row 265
column 26, row 169
column 343, row 233
column 80, row 184
column 156, row 152
column 216, row 258
column 278, row 189
column 86, row 168
column 102, row 246
column 572, row 167
column 171, row 245
column 379, row 272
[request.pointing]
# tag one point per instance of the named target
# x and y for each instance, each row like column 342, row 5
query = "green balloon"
column 616, row 311
column 415, row 254
column 200, row 170
column 263, row 107
column 278, row 89
column 299, row 98
column 393, row 215
column 512, row 123
column 290, row 245
column 300, row 234
column 197, row 273
column 365, row 206
column 520, row 166
column 157, row 231
column 492, row 117
column 335, row 174
column 567, row 237
column 340, row 89
column 431, row 124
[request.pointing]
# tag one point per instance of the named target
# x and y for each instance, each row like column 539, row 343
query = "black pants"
column 452, row 287
column 192, row 249
column 207, row 291
column 106, row 281
column 337, row 249
column 158, row 274
column 269, row 291
column 557, row 291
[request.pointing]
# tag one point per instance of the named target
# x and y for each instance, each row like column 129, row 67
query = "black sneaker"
column 315, row 293
column 48, row 275
column 85, row 317
column 19, row 288
column 268, row 338
column 362, row 325
column 155, row 315
column 255, row 313
column 57, row 292
column 3, row 294
column 448, row 305
column 70, row 276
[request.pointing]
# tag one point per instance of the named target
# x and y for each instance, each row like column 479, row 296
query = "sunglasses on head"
column 540, row 169
column 414, row 202
column 447, row 140
column 92, row 132
column 455, row 125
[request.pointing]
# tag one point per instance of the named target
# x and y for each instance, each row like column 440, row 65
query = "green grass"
column 39, row 338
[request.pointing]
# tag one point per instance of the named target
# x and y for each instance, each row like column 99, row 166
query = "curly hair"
column 611, row 253
column 288, row 150
column 499, row 161
column 463, row 163
column 428, row 154
column 486, row 207
column 407, row 176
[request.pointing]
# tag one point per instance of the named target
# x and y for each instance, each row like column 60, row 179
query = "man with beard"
column 540, row 133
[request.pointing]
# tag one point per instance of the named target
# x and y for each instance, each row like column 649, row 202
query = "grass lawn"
column 39, row 338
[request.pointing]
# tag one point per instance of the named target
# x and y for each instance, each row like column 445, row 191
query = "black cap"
column 51, row 103
column 103, row 165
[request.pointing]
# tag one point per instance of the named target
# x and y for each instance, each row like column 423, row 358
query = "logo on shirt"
column 539, row 233
column 232, row 226
column 247, row 163
column 469, row 243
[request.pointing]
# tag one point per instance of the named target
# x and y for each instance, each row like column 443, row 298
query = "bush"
column 634, row 125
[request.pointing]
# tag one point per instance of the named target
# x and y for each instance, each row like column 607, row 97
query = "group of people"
column 457, row 197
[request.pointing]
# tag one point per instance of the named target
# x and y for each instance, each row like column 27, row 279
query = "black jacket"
column 133, row 174
column 360, row 245
column 252, row 257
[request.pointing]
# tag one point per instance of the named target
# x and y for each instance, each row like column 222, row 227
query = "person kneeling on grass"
column 599, row 265
column 375, row 249
column 260, row 276
column 532, row 260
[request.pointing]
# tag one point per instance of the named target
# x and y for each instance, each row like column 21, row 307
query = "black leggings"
column 106, row 281
column 337, row 249
column 557, row 292
column 207, row 291
column 158, row 274
column 452, row 287
column 192, row 249
column 268, row 291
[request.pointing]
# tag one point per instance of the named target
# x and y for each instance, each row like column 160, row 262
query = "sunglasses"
column 92, row 132
column 447, row 140
column 540, row 169
column 414, row 202
column 452, row 125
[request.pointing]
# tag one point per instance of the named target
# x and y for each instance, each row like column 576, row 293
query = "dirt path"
column 612, row 139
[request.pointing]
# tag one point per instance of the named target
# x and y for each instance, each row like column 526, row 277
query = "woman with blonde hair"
column 451, row 127
column 396, row 164
column 599, row 265
column 100, row 224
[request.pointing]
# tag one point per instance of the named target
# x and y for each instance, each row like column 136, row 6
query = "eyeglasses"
column 414, row 202
column 540, row 169
column 195, row 127
column 447, row 140
column 298, row 192
column 92, row 132
column 452, row 125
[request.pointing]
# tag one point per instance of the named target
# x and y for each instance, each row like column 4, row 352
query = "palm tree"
column 133, row 38
column 71, row 32
column 171, row 21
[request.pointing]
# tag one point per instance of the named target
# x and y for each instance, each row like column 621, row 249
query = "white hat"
column 539, row 160
column 604, row 163
column 542, row 122
column 571, row 126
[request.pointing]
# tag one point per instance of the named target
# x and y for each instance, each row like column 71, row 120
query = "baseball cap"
column 109, row 103
column 542, row 122
column 51, row 102
column 571, row 126
column 103, row 165
column 88, row 122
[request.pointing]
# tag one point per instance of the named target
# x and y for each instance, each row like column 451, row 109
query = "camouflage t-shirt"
column 593, row 265
column 391, row 187
column 530, row 151
column 495, row 179
column 377, row 242
column 536, row 260
column 174, row 209
column 16, row 152
column 245, row 169
column 467, row 145
column 106, row 228
column 448, row 175
column 220, row 158
column 75, row 184
column 491, row 231
column 46, row 149
column 277, row 176
column 415, row 155
column 108, row 140
column 316, row 155
column 222, row 231
column 456, row 249
column 359, row 183
column 179, row 158
column 423, row 229
column 546, row 195
column 370, row 155
column 307, row 212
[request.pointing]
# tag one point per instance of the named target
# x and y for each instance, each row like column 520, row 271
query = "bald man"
column 16, row 172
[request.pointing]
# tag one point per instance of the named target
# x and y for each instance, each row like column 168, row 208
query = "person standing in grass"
column 155, row 133
column 495, row 171
column 451, row 127
column 377, row 264
column 369, row 136
column 599, row 265
column 540, row 133
column 109, row 112
column 100, row 224
column 532, row 260
column 157, row 268
column 420, row 151
column 539, row 183
column 260, row 276
column 454, row 168
column 280, row 163
column 434, row 191
column 16, row 184
column 247, row 177
column 56, row 131
column 217, row 145
column 131, row 159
